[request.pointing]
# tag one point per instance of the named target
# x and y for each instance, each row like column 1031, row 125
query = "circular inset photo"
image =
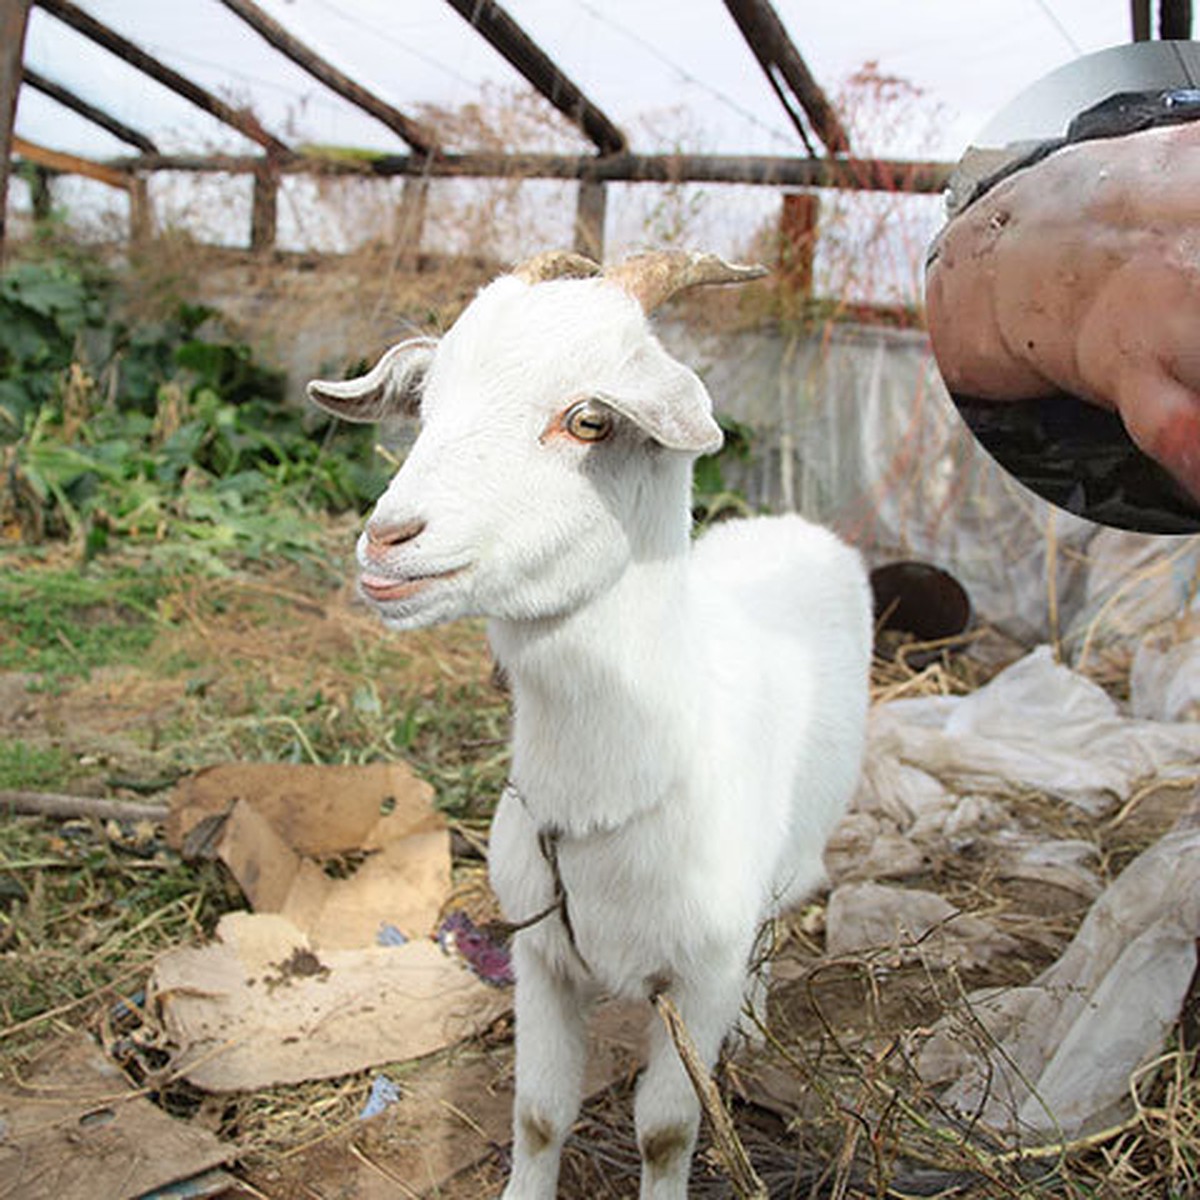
column 1063, row 292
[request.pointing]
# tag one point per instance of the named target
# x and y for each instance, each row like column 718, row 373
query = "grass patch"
column 285, row 668
column 28, row 767
column 61, row 623
column 79, row 915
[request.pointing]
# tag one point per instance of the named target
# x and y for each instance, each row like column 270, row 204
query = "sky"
column 632, row 57
column 674, row 75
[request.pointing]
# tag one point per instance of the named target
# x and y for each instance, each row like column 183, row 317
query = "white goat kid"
column 688, row 720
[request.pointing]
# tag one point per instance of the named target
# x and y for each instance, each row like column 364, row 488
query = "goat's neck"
column 604, row 700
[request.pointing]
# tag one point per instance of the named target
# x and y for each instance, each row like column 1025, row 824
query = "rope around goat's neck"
column 548, row 837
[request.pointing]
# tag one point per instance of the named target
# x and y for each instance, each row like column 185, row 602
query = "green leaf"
column 45, row 290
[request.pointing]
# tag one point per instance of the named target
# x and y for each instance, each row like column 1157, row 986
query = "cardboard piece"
column 275, row 826
column 75, row 1129
column 262, row 1005
column 301, row 988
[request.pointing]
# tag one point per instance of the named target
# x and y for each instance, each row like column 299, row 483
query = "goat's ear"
column 667, row 401
column 392, row 387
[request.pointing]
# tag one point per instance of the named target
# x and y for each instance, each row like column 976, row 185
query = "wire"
column 1052, row 17
column 685, row 74
column 174, row 52
column 385, row 36
column 318, row 96
column 315, row 96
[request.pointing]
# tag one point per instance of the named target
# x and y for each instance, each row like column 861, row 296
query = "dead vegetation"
column 279, row 666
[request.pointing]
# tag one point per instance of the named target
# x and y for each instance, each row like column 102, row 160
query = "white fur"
column 690, row 718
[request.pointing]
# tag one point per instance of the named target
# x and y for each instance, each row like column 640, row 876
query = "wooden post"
column 410, row 218
column 141, row 215
column 264, row 210
column 40, row 194
column 1175, row 20
column 797, row 242
column 1139, row 16
column 14, row 17
column 590, row 207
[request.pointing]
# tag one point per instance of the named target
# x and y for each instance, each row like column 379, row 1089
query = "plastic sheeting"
column 1056, row 1058
column 863, row 917
column 854, row 426
column 1164, row 680
column 1037, row 726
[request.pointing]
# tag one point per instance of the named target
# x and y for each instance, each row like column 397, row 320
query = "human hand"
column 1081, row 274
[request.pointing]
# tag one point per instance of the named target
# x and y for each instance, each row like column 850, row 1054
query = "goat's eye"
column 587, row 421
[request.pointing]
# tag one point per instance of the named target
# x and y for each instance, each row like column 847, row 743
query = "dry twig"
column 746, row 1184
column 56, row 804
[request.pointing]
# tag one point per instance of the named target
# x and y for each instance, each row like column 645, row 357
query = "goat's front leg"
column 551, row 1016
column 666, row 1109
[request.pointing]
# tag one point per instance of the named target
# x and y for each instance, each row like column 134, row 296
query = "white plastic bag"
column 1054, row 1059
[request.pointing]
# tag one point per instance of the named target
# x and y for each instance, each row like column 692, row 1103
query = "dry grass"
column 280, row 666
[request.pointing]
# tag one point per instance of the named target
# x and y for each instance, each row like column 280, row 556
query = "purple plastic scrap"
column 487, row 958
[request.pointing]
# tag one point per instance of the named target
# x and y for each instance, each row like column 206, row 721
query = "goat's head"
column 557, row 437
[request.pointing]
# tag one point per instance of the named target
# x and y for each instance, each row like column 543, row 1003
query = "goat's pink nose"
column 383, row 534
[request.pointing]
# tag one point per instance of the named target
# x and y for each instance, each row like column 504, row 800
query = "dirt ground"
column 285, row 665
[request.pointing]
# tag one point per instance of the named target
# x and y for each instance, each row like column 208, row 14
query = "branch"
column 55, row 804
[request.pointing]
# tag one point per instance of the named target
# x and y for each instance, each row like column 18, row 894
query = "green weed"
column 713, row 496
column 168, row 434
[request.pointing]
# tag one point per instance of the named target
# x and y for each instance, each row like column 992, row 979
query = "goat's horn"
column 556, row 264
column 655, row 277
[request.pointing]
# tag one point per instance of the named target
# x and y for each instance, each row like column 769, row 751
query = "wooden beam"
column 14, row 16
column 522, row 52
column 246, row 123
column 412, row 132
column 849, row 174
column 90, row 112
column 787, row 73
column 70, row 164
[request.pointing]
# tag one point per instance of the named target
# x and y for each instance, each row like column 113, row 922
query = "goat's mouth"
column 384, row 589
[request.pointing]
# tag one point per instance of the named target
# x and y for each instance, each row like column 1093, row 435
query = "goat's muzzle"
column 383, row 536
